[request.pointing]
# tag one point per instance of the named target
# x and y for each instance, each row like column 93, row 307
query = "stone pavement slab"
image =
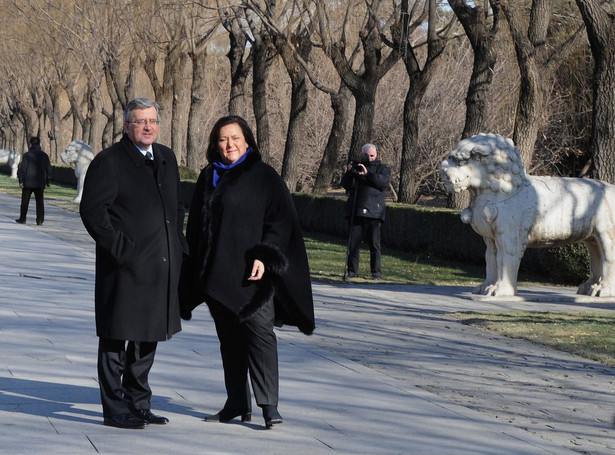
column 387, row 371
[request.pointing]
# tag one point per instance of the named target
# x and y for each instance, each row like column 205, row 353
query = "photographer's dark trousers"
column 26, row 193
column 368, row 229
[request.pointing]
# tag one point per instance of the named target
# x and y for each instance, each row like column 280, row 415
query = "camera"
column 355, row 169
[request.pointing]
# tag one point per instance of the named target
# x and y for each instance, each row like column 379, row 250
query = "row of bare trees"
column 316, row 78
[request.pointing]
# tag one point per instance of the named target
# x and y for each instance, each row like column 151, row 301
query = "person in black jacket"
column 248, row 262
column 366, row 183
column 34, row 174
column 133, row 208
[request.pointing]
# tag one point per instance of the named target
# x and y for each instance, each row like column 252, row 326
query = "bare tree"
column 161, row 37
column 201, row 25
column 378, row 58
column 599, row 18
column 536, row 65
column 233, row 20
column 340, row 101
column 413, row 19
column 290, row 26
column 481, row 28
column 263, row 55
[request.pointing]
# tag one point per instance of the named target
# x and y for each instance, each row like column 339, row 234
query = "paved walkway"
column 386, row 371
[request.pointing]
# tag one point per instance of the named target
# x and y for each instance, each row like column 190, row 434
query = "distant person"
column 366, row 183
column 34, row 174
column 248, row 263
column 132, row 207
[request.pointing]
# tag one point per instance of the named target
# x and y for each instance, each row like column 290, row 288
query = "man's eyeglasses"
column 142, row 122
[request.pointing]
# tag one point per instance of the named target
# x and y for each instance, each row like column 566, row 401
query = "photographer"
column 365, row 182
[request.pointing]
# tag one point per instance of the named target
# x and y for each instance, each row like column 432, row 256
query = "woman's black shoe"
column 124, row 421
column 271, row 415
column 226, row 417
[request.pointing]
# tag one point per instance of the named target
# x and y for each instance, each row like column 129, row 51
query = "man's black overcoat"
column 34, row 171
column 135, row 213
column 249, row 215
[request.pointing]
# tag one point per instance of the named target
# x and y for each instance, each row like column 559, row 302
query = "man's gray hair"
column 367, row 146
column 140, row 103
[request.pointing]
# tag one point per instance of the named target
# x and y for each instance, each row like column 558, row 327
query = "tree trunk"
column 196, row 129
column 28, row 117
column 419, row 82
column 536, row 65
column 54, row 113
column 601, row 33
column 163, row 91
column 295, row 133
column 76, row 115
column 603, row 116
column 362, row 126
column 117, row 88
column 482, row 39
column 263, row 53
column 240, row 69
column 340, row 103
column 529, row 105
column 95, row 118
column 181, row 107
column 363, row 83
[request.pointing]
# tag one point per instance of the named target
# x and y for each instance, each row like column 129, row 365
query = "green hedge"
column 426, row 230
column 440, row 232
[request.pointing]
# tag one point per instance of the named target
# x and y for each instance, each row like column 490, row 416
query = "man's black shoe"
column 350, row 275
column 125, row 421
column 20, row 221
column 149, row 416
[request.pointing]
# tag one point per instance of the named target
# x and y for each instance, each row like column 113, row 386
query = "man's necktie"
column 149, row 157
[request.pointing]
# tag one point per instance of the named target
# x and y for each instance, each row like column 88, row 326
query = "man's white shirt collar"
column 144, row 151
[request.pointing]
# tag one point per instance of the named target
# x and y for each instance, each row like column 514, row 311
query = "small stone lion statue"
column 81, row 154
column 12, row 158
column 513, row 211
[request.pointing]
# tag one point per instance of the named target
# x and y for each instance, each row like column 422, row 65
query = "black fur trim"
column 275, row 261
column 263, row 294
column 185, row 314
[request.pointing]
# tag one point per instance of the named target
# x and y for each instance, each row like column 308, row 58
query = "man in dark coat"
column 34, row 174
column 132, row 206
column 366, row 183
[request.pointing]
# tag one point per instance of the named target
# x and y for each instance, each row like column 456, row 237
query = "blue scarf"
column 220, row 168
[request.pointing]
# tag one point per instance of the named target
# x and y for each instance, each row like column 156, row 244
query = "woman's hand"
column 258, row 270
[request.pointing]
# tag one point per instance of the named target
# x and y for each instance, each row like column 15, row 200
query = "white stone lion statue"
column 513, row 211
column 12, row 158
column 81, row 154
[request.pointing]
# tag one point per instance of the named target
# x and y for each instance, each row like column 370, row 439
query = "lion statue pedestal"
column 81, row 154
column 513, row 211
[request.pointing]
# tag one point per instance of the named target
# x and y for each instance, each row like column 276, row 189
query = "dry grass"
column 588, row 334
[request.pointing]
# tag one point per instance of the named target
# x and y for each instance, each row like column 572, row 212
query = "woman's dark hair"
column 213, row 153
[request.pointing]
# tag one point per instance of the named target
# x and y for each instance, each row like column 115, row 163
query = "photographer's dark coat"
column 249, row 215
column 135, row 213
column 370, row 191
